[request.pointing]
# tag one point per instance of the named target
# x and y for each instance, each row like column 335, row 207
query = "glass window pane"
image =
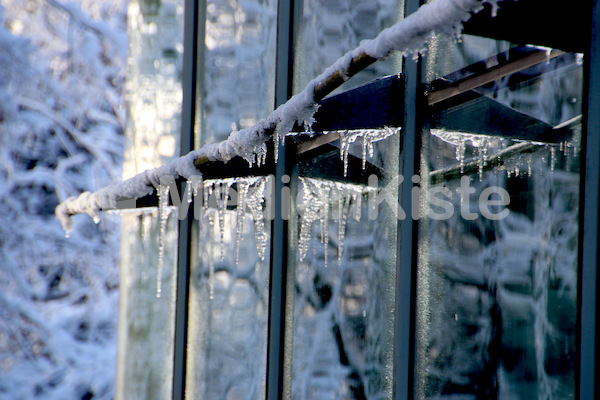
column 146, row 305
column 229, row 292
column 343, row 263
column 497, row 272
column 237, row 71
column 329, row 29
column 228, row 308
column 147, row 302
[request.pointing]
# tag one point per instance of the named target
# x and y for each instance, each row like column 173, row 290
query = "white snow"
column 62, row 117
column 408, row 36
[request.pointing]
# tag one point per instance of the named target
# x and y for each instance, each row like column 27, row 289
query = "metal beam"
column 188, row 112
column 287, row 15
column 587, row 371
column 410, row 151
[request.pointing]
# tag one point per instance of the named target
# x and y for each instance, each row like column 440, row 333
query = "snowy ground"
column 62, row 116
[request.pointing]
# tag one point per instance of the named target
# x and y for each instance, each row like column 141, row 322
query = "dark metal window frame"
column 414, row 106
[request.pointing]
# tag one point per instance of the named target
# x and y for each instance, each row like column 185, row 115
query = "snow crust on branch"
column 408, row 36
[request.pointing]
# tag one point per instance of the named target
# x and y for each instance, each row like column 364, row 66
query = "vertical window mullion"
column 283, row 91
column 188, row 112
column 407, row 229
column 589, row 216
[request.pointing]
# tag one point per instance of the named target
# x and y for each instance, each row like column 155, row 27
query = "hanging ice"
column 343, row 209
column 369, row 136
column 482, row 143
column 242, row 186
column 163, row 213
column 346, row 139
column 255, row 202
column 317, row 198
column 221, row 191
column 251, row 192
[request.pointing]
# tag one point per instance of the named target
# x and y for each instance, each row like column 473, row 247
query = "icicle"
column 196, row 185
column 481, row 143
column 481, row 152
column 282, row 129
column 357, row 204
column 243, row 187
column 365, row 144
column 222, row 196
column 460, row 155
column 211, row 274
column 325, row 192
column 529, row 167
column 312, row 204
column 276, row 141
column 371, row 136
column 255, row 200
column 344, row 205
column 552, row 157
column 494, row 11
column 346, row 139
column 261, row 155
column 163, row 213
column 316, row 200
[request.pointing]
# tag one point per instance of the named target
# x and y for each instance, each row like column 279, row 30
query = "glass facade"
column 343, row 249
column 328, row 29
column 229, row 277
column 445, row 238
column 497, row 280
column 229, row 292
column 148, row 273
column 146, row 318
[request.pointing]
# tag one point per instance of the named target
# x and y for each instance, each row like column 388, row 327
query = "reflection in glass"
column 238, row 76
column 343, row 294
column 154, row 93
column 149, row 243
column 329, row 29
column 496, row 297
column 146, row 321
column 229, row 291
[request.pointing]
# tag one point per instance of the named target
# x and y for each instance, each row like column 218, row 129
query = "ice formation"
column 482, row 143
column 317, row 197
column 249, row 196
column 408, row 36
column 163, row 210
column 369, row 136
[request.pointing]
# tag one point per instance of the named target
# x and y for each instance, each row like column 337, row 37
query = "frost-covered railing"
column 408, row 36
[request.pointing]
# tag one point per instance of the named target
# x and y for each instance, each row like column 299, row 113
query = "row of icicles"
column 485, row 146
column 321, row 200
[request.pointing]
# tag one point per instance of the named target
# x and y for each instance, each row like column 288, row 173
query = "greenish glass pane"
column 229, row 296
column 329, row 29
column 497, row 285
column 342, row 276
column 148, row 258
column 236, row 74
column 146, row 306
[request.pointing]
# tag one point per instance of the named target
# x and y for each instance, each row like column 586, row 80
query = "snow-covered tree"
column 62, row 70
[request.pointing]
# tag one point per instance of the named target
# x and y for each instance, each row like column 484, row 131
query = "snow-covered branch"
column 98, row 27
column 408, row 36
